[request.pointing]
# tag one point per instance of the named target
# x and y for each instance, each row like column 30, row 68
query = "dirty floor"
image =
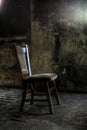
column 70, row 115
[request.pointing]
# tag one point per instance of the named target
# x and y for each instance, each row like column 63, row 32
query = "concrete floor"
column 70, row 115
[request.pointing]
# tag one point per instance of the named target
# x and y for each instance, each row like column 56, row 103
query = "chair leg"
column 32, row 93
column 56, row 94
column 49, row 99
column 23, row 99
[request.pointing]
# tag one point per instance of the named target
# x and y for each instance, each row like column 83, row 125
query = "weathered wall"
column 42, row 48
column 59, row 44
column 50, row 52
column 9, row 74
column 62, row 51
column 61, row 25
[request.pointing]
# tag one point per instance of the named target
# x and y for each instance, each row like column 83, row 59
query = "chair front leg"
column 32, row 93
column 23, row 97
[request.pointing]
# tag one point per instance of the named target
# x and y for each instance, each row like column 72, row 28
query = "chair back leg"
column 56, row 94
column 49, row 98
column 32, row 93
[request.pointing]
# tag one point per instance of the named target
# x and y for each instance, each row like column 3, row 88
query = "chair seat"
column 41, row 77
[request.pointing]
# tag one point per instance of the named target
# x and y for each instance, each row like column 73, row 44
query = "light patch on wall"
column 80, row 15
column 71, row 13
column 0, row 3
column 2, row 6
column 76, row 14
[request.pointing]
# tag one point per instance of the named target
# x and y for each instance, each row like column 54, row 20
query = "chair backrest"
column 23, row 58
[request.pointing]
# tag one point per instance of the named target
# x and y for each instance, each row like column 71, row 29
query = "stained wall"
column 59, row 44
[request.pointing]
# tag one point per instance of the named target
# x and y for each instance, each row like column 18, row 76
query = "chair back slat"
column 23, row 60
column 28, row 60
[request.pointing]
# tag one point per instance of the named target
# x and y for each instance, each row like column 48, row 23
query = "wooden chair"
column 29, row 80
